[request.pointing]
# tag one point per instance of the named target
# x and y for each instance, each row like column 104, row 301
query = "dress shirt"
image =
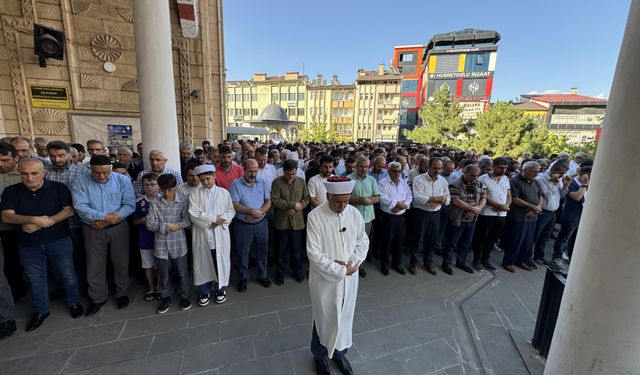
column 268, row 174
column 252, row 197
column 497, row 191
column 168, row 244
column 138, row 183
column 93, row 200
column 552, row 192
column 424, row 188
column 67, row 175
column 391, row 194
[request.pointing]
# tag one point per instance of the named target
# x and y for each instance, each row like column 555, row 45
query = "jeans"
column 517, row 238
column 568, row 229
column 179, row 265
column 425, row 233
column 247, row 235
column 458, row 239
column 544, row 227
column 207, row 287
column 319, row 351
column 487, row 232
column 34, row 260
column 288, row 241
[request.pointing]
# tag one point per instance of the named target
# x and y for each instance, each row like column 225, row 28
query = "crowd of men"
column 95, row 216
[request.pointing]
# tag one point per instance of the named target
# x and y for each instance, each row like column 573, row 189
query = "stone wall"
column 98, row 37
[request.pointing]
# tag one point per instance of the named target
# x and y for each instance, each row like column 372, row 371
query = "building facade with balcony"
column 377, row 105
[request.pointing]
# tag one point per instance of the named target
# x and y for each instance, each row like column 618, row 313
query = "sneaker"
column 164, row 305
column 185, row 304
column 542, row 261
column 477, row 265
column 488, row 265
column 203, row 300
column 497, row 248
column 221, row 296
column 557, row 265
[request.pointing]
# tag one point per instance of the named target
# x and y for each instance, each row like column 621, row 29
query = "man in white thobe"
column 211, row 211
column 336, row 246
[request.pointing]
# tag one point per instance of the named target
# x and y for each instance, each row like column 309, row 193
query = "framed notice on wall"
column 112, row 130
column 49, row 96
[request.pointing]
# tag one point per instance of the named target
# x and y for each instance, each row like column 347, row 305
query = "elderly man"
column 317, row 192
column 227, row 171
column 94, row 148
column 23, row 146
column 520, row 227
column 553, row 187
column 186, row 157
column 103, row 201
column 9, row 175
column 491, row 219
column 213, row 156
column 41, row 149
column 395, row 199
column 266, row 171
column 430, row 195
column 364, row 196
column 289, row 196
column 251, row 199
column 158, row 163
column 38, row 210
column 574, row 164
column 125, row 156
column 421, row 166
column 468, row 198
column 336, row 246
column 211, row 211
column 62, row 170
column 274, row 158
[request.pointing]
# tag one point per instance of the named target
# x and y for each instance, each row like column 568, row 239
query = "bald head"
column 31, row 173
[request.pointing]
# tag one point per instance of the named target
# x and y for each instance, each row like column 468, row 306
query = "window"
column 409, row 85
column 238, row 97
column 404, row 57
column 254, row 97
column 230, row 111
column 275, row 97
column 246, row 97
column 254, row 111
column 300, row 96
column 238, row 112
column 300, row 111
column 292, row 96
column 230, row 97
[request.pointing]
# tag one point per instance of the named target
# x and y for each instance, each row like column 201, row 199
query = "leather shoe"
column 76, row 310
column 36, row 321
column 431, row 269
column 385, row 270
column 464, row 267
column 300, row 277
column 242, row 285
column 122, row 302
column 322, row 367
column 265, row 282
column 399, row 269
column 7, row 328
column 279, row 280
column 509, row 267
column 412, row 269
column 447, row 269
column 94, row 308
column 524, row 266
column 362, row 272
column 343, row 365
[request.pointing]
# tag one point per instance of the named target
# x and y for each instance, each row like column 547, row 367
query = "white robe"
column 204, row 207
column 333, row 294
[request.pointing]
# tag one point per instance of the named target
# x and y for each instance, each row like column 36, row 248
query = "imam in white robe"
column 333, row 293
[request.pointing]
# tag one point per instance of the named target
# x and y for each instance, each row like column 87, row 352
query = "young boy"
column 145, row 236
column 168, row 216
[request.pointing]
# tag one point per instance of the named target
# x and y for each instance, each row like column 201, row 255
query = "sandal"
column 150, row 296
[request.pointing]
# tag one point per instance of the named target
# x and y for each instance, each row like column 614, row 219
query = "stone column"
column 154, row 63
column 598, row 330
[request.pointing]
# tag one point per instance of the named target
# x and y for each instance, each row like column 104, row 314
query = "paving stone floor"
column 422, row 324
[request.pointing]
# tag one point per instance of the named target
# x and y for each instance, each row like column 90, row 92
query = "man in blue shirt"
column 251, row 199
column 103, row 200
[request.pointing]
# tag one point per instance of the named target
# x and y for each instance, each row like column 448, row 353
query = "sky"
column 546, row 46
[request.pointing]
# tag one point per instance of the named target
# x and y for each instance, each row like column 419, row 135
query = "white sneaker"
column 203, row 300
column 557, row 265
column 221, row 296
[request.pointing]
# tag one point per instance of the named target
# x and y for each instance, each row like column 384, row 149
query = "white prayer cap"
column 205, row 168
column 339, row 185
column 292, row 156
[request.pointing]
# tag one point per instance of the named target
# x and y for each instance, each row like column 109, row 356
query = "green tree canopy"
column 442, row 121
column 319, row 131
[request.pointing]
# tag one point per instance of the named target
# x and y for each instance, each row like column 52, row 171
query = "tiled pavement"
column 423, row 324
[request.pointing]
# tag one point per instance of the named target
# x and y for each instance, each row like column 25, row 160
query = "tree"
column 506, row 130
column 319, row 131
column 442, row 121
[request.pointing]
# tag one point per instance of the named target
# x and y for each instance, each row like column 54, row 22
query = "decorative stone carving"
column 126, row 14
column 182, row 44
column 106, row 47
column 29, row 16
column 80, row 7
column 50, row 121
column 130, row 85
column 89, row 81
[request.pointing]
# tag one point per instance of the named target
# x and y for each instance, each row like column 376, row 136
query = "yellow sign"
column 49, row 97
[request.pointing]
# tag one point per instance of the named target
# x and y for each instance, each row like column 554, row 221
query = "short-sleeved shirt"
column 497, row 191
column 573, row 209
column 225, row 179
column 49, row 200
column 317, row 189
column 528, row 191
column 145, row 236
column 252, row 197
column 365, row 188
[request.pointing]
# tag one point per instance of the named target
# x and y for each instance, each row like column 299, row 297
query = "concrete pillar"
column 154, row 63
column 598, row 330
